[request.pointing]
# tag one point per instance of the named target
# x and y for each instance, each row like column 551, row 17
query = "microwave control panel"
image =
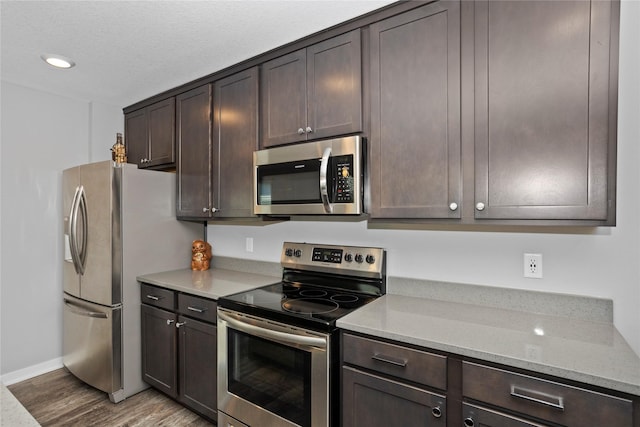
column 343, row 167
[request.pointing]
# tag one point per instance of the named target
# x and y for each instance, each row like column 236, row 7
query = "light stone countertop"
column 587, row 351
column 213, row 283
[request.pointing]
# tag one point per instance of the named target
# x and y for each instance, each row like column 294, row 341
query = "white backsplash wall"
column 42, row 134
column 600, row 262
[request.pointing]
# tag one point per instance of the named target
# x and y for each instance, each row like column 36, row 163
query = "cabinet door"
column 372, row 401
column 161, row 134
column 159, row 363
column 283, row 99
column 415, row 114
column 543, row 109
column 193, row 133
column 235, row 130
column 136, row 136
column 198, row 367
column 334, row 86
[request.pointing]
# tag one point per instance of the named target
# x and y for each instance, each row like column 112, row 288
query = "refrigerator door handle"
column 83, row 214
column 73, row 240
column 74, row 309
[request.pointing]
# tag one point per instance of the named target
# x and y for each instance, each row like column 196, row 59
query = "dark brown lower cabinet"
column 179, row 351
column 159, row 366
column 373, row 401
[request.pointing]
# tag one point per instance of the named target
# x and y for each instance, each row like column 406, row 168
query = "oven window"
column 270, row 375
column 289, row 183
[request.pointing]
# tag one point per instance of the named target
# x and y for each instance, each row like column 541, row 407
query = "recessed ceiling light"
column 58, row 61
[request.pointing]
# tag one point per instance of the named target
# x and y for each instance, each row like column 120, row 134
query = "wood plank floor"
column 58, row 398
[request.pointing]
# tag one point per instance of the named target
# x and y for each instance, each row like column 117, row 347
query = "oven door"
column 272, row 374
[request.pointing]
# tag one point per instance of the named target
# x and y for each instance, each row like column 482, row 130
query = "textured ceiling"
column 127, row 51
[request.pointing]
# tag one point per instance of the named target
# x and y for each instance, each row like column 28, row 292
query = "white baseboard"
column 31, row 371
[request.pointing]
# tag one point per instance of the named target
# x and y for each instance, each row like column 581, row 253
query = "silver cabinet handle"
column 453, row 206
column 170, row 321
column 324, row 192
column 308, row 130
column 212, row 210
column 480, row 206
column 436, row 412
column 391, row 360
column 153, row 297
column 205, row 210
column 196, row 309
column 300, row 131
column 538, row 397
column 180, row 324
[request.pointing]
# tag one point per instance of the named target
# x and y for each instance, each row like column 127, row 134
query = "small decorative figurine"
column 200, row 255
column 119, row 151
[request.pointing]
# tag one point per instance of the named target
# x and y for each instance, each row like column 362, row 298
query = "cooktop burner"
column 319, row 285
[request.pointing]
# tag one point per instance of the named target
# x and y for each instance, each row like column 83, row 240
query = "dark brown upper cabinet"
column 194, row 197
column 415, row 143
column 545, row 110
column 215, row 148
column 313, row 93
column 150, row 135
column 235, row 138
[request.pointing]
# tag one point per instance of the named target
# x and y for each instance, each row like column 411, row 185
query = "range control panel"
column 348, row 260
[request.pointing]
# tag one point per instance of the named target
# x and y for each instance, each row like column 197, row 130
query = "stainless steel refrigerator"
column 119, row 223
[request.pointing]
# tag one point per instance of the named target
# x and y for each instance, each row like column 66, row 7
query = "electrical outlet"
column 248, row 244
column 533, row 266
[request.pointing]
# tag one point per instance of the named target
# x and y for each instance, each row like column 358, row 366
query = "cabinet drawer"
column 546, row 400
column 158, row 297
column 406, row 363
column 197, row 307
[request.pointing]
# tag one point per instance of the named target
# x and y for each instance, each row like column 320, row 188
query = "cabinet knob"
column 453, row 206
column 308, row 130
column 436, row 412
column 205, row 210
column 468, row 422
column 180, row 324
column 480, row 206
column 169, row 321
column 300, row 131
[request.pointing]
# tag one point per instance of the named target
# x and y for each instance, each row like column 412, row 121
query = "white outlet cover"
column 533, row 266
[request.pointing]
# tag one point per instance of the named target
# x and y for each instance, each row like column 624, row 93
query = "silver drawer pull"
column 180, row 324
column 153, row 297
column 538, row 397
column 391, row 360
column 197, row 310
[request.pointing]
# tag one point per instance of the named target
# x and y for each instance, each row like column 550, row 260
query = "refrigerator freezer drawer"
column 92, row 344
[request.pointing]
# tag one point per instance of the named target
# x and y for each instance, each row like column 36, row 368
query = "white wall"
column 600, row 262
column 42, row 134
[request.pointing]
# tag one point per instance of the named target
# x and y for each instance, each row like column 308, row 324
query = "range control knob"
column 370, row 259
column 348, row 257
column 359, row 258
column 297, row 253
column 288, row 252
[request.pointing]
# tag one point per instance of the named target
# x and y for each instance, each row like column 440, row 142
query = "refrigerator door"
column 101, row 278
column 92, row 343
column 70, row 190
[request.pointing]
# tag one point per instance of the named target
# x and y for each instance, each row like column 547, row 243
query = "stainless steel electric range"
column 278, row 346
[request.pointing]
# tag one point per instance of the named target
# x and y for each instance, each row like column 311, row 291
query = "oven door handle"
column 283, row 337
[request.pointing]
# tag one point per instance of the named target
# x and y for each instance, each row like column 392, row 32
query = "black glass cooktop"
column 297, row 304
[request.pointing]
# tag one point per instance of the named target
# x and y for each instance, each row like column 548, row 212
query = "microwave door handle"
column 324, row 191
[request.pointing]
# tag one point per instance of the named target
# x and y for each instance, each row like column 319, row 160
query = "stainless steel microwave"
column 312, row 178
